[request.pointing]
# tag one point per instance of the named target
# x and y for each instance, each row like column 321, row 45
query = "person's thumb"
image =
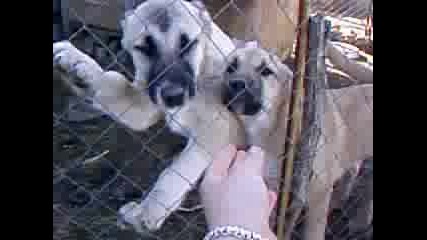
column 221, row 163
column 272, row 200
column 254, row 162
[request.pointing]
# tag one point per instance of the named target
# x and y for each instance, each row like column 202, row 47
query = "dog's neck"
column 257, row 127
column 191, row 113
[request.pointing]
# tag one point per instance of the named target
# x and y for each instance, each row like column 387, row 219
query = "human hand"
column 233, row 191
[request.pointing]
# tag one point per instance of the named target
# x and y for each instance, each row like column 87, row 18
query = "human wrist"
column 226, row 238
column 248, row 223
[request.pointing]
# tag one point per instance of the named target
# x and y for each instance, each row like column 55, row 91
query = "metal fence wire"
column 99, row 165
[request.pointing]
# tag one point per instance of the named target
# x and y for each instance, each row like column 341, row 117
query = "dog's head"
column 167, row 46
column 254, row 79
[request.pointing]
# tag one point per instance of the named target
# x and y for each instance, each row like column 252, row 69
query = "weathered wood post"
column 305, row 117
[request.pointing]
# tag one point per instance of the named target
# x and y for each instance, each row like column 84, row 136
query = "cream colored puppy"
column 258, row 91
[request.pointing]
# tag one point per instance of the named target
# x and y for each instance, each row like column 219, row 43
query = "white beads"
column 232, row 231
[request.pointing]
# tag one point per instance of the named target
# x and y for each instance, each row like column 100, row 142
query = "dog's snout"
column 173, row 96
column 237, row 86
column 171, row 85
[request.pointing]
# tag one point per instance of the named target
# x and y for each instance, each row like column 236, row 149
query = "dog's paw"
column 130, row 214
column 145, row 216
column 74, row 62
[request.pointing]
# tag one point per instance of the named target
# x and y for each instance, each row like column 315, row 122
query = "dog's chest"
column 194, row 119
column 257, row 129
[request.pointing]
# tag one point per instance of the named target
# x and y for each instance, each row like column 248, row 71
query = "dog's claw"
column 140, row 216
column 130, row 214
column 75, row 70
column 56, row 58
column 74, row 62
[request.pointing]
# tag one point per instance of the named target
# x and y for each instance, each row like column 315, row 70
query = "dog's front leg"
column 169, row 191
column 75, row 64
column 318, row 207
column 113, row 93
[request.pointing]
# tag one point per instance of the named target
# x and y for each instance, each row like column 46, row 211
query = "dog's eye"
column 149, row 48
column 185, row 44
column 266, row 72
column 233, row 66
column 184, row 41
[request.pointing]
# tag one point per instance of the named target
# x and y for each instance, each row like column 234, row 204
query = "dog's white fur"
column 347, row 132
column 191, row 18
column 204, row 120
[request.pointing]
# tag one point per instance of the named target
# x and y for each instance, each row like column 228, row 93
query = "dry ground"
column 91, row 194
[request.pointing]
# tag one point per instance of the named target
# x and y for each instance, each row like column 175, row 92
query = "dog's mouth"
column 171, row 89
column 248, row 108
column 170, row 96
column 240, row 100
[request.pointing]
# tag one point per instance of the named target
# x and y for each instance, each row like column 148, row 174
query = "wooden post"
column 311, row 122
column 295, row 116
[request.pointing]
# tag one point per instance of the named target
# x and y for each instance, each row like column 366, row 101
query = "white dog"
column 174, row 47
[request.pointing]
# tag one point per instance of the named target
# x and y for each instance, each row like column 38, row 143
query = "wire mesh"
column 99, row 165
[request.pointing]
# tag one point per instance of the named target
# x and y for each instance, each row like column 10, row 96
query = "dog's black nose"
column 173, row 96
column 237, row 86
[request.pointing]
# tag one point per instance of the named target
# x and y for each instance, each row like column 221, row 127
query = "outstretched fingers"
column 251, row 162
column 221, row 163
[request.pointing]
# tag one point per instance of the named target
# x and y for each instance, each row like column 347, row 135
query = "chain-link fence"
column 99, row 164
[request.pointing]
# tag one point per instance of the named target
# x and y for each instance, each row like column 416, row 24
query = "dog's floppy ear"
column 242, row 44
column 203, row 14
column 285, row 74
column 132, row 4
column 129, row 8
column 123, row 22
column 238, row 43
column 199, row 4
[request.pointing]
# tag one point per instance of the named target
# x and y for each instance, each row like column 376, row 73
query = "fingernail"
column 242, row 147
column 227, row 150
column 255, row 150
column 232, row 146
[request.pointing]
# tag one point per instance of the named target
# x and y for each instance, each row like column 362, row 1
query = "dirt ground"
column 86, row 197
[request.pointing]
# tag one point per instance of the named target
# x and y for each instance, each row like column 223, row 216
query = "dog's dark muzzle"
column 173, row 83
column 241, row 97
column 237, row 87
column 173, row 96
column 234, row 92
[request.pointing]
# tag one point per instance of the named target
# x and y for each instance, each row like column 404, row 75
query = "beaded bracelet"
column 232, row 231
